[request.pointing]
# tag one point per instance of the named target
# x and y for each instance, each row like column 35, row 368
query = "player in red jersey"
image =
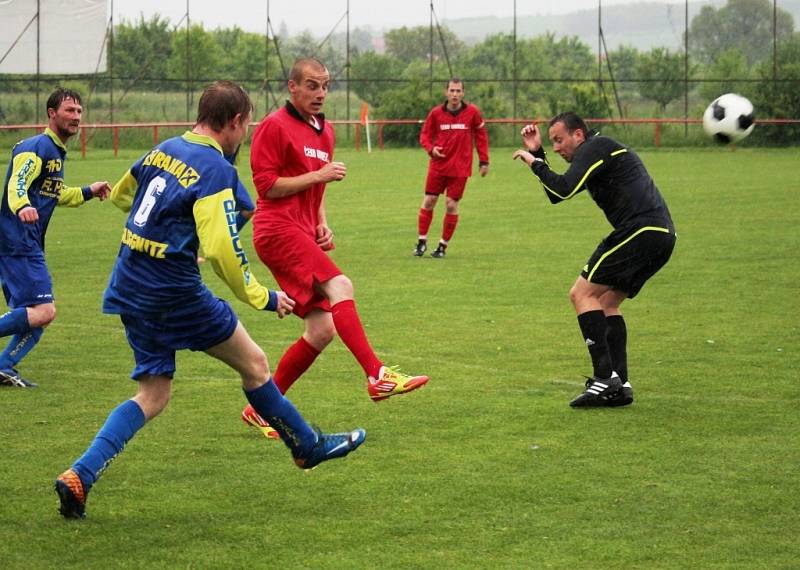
column 292, row 162
column 448, row 135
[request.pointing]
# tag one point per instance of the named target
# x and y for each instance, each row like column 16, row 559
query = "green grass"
column 487, row 466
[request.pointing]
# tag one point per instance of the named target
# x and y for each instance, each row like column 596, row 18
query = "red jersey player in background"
column 292, row 162
column 448, row 135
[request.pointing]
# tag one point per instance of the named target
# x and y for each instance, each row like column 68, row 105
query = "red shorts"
column 438, row 184
column 297, row 262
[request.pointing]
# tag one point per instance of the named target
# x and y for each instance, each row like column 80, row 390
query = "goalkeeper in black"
column 640, row 244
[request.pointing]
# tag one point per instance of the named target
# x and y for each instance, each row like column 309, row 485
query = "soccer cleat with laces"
column 622, row 398
column 598, row 392
column 440, row 251
column 12, row 379
column 391, row 381
column 420, row 248
column 72, row 495
column 330, row 446
column 252, row 418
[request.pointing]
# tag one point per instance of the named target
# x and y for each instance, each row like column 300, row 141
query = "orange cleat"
column 252, row 418
column 391, row 382
column 72, row 495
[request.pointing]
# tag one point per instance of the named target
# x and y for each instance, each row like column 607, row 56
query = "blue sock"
column 20, row 345
column 14, row 321
column 283, row 416
column 122, row 424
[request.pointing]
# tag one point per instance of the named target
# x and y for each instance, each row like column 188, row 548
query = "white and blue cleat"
column 330, row 446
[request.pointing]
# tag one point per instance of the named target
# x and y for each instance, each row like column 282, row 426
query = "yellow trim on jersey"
column 202, row 139
column 579, row 185
column 620, row 151
column 71, row 196
column 215, row 219
column 124, row 191
column 24, row 170
column 50, row 133
column 619, row 245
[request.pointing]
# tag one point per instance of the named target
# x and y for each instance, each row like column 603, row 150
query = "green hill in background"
column 641, row 25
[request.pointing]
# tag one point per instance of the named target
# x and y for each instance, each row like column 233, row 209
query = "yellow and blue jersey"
column 180, row 196
column 35, row 177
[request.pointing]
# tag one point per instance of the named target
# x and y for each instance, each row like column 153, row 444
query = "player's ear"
column 237, row 120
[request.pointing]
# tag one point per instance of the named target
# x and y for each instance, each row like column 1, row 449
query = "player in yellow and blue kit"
column 34, row 186
column 180, row 196
column 244, row 203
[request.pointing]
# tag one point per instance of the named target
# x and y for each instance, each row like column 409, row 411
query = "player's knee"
column 338, row 289
column 321, row 335
column 153, row 395
column 573, row 295
column 256, row 369
column 41, row 315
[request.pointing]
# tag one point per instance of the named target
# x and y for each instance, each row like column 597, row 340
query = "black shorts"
column 626, row 260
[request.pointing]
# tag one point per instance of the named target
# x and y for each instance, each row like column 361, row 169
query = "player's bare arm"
column 287, row 186
column 524, row 156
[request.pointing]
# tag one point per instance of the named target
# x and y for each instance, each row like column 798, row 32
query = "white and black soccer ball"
column 729, row 118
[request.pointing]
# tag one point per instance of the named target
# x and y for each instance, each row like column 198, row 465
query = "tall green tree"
column 660, row 73
column 142, row 49
column 410, row 44
column 742, row 25
column 724, row 72
column 374, row 75
column 196, row 60
column 779, row 99
column 623, row 63
column 242, row 54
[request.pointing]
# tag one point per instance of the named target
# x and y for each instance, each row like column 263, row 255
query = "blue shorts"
column 26, row 281
column 156, row 339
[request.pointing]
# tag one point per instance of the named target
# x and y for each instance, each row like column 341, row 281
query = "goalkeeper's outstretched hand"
column 531, row 137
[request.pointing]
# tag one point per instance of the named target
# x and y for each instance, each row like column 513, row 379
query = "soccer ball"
column 729, row 118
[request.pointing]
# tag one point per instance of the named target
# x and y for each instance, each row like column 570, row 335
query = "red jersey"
column 455, row 132
column 286, row 145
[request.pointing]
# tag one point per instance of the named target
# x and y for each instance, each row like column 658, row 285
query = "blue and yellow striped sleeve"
column 124, row 191
column 26, row 167
column 215, row 219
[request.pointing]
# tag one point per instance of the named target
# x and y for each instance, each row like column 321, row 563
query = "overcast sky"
column 320, row 16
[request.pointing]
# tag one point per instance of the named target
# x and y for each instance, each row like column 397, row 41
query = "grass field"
column 487, row 466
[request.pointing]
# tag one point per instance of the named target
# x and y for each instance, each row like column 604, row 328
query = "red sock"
column 449, row 226
column 351, row 331
column 424, row 221
column 294, row 362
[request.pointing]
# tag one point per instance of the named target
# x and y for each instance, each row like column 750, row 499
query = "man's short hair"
column 455, row 80
column 221, row 102
column 60, row 95
column 572, row 121
column 296, row 74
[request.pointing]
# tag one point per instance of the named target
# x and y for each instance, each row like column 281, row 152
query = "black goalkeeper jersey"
column 615, row 178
